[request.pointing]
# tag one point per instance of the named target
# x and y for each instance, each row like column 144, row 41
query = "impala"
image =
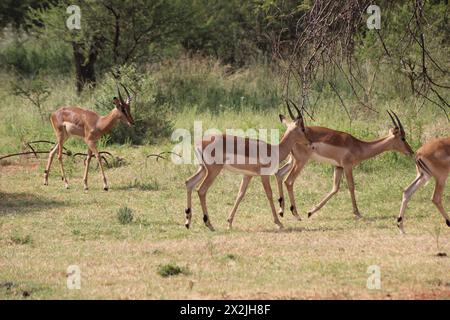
column 253, row 165
column 432, row 160
column 86, row 124
column 341, row 150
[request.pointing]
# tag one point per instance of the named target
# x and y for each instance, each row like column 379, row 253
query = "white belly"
column 321, row 159
column 239, row 170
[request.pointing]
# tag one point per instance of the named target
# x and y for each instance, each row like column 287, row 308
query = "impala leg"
column 351, row 188
column 88, row 161
column 336, row 183
column 407, row 194
column 437, row 198
column 279, row 176
column 242, row 189
column 49, row 164
column 93, row 147
column 290, row 186
column 207, row 182
column 266, row 184
column 61, row 140
column 190, row 185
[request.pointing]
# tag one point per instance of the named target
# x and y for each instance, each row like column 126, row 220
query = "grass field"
column 43, row 230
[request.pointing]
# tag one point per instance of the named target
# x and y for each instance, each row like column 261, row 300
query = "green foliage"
column 168, row 270
column 21, row 240
column 151, row 121
column 206, row 86
column 151, row 185
column 35, row 90
column 125, row 215
column 29, row 56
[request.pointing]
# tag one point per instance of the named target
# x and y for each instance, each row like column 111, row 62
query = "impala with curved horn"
column 432, row 160
column 215, row 151
column 86, row 124
column 341, row 150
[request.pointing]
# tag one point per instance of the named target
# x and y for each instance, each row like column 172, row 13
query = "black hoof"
column 447, row 222
column 187, row 226
column 106, row 189
column 281, row 214
column 399, row 219
column 309, row 214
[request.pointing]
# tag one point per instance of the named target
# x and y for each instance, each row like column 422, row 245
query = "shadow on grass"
column 24, row 203
column 303, row 229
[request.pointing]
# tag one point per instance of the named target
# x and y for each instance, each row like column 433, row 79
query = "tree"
column 113, row 32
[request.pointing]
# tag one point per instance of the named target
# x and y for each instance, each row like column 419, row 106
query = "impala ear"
column 283, row 120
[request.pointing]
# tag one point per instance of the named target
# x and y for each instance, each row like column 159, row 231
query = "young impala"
column 86, row 124
column 341, row 150
column 432, row 160
column 215, row 152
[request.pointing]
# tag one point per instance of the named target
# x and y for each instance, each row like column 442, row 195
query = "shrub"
column 125, row 215
column 151, row 121
column 170, row 269
column 18, row 239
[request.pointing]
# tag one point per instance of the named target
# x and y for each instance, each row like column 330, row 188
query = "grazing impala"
column 432, row 160
column 86, row 124
column 252, row 164
column 341, row 150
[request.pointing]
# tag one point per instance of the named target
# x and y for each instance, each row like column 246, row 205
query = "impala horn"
column 120, row 95
column 289, row 110
column 392, row 118
column 300, row 116
column 399, row 122
column 128, row 94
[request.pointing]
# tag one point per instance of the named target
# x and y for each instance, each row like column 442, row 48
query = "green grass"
column 326, row 256
column 43, row 230
column 168, row 270
column 125, row 215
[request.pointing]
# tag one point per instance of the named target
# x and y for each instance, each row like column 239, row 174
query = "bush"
column 29, row 56
column 18, row 239
column 125, row 215
column 151, row 121
column 168, row 270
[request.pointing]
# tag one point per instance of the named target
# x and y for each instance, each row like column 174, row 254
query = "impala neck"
column 371, row 149
column 106, row 123
column 286, row 144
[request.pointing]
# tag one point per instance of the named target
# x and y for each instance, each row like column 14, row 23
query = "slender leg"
column 266, row 184
column 207, row 182
column 93, row 147
column 351, row 187
column 279, row 176
column 61, row 140
column 290, row 186
column 88, row 161
column 407, row 194
column 437, row 198
column 190, row 185
column 242, row 189
column 336, row 183
column 49, row 164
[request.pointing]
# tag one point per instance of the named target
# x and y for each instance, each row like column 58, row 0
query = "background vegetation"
column 230, row 64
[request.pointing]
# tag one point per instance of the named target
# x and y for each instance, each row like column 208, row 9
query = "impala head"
column 296, row 126
column 400, row 144
column 124, row 106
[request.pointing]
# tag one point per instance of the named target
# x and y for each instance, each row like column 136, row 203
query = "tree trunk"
column 84, row 66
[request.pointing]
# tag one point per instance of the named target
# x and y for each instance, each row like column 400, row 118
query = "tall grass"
column 185, row 90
